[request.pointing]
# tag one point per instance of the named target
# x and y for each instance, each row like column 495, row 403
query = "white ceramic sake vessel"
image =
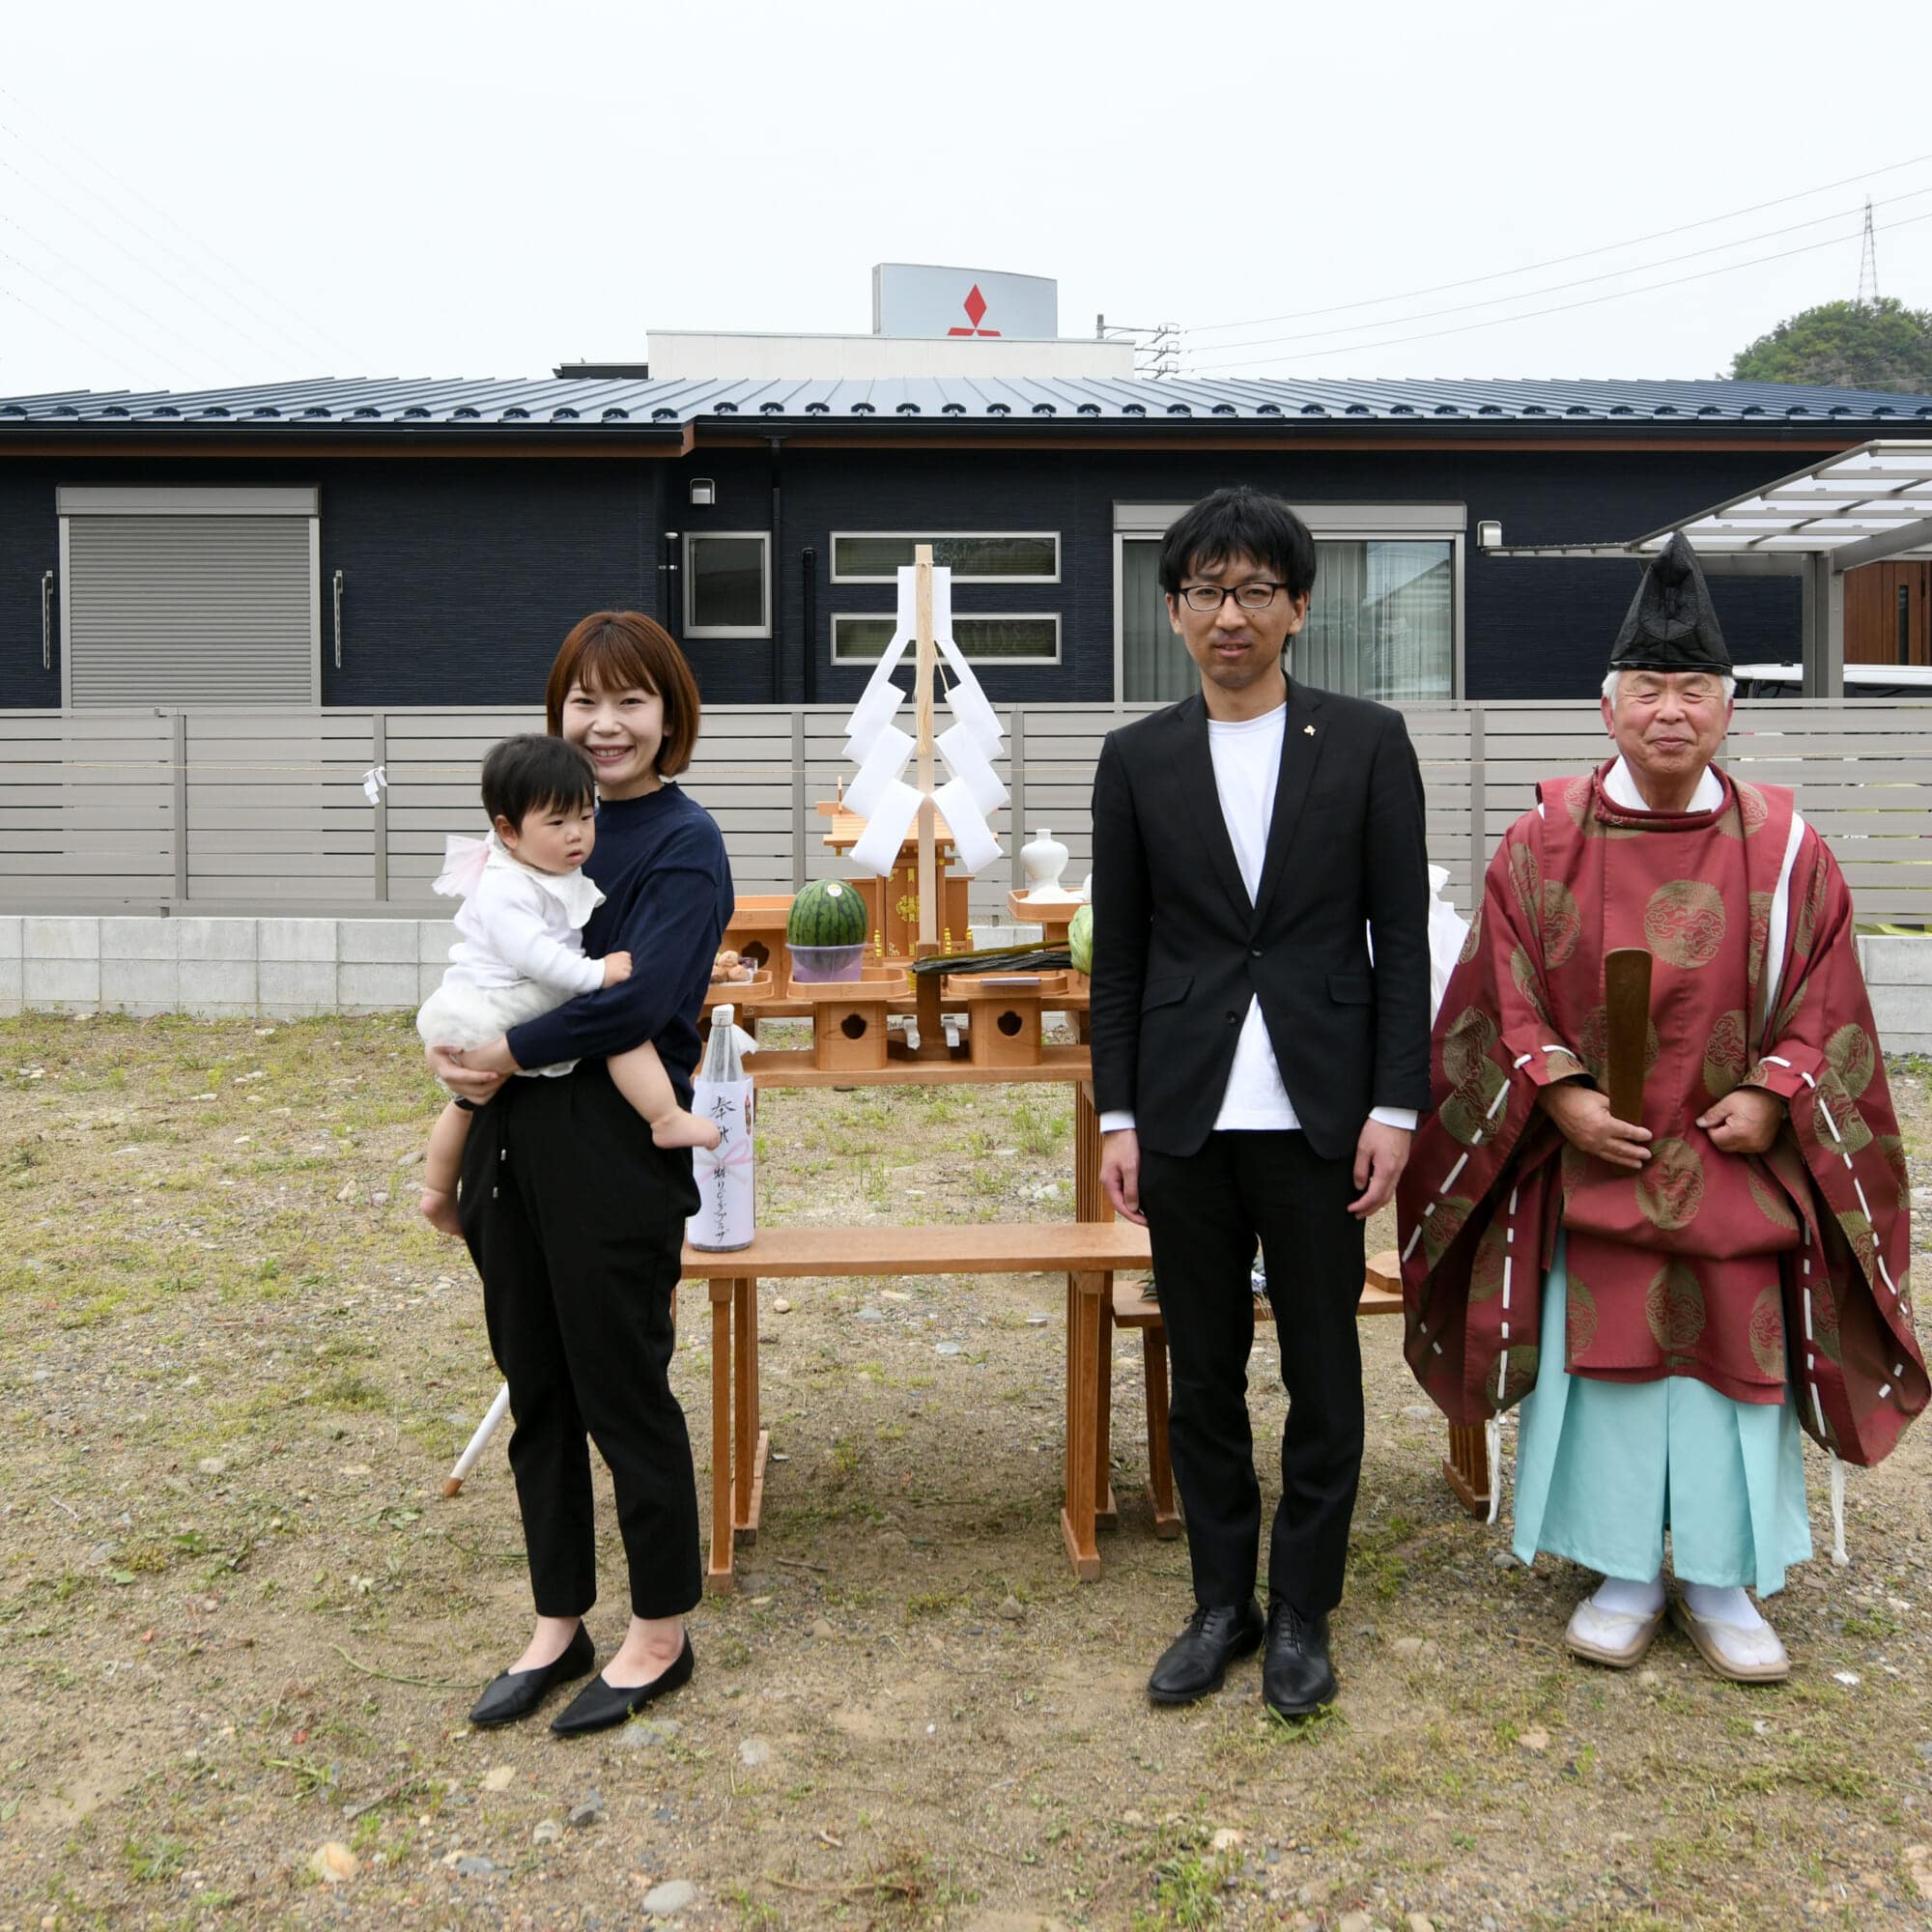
column 1044, row 861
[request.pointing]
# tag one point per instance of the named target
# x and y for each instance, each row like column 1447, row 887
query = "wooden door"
column 1888, row 613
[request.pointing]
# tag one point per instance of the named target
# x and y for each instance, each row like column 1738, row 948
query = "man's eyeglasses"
column 1210, row 596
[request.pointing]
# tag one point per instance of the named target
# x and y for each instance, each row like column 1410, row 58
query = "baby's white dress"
column 519, row 949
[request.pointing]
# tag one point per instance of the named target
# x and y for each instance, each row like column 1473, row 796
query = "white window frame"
column 764, row 628
column 172, row 500
column 934, row 536
column 958, row 617
column 1327, row 523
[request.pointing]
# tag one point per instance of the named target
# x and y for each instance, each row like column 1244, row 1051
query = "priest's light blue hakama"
column 1604, row 1468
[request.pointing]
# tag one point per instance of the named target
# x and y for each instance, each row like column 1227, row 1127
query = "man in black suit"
column 1258, row 1070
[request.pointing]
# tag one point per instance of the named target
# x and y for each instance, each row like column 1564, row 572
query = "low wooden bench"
column 1465, row 1468
column 1086, row 1252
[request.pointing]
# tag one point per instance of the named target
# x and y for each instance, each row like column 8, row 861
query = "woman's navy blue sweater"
column 660, row 863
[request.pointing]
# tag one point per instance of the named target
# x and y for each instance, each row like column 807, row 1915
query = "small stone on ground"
column 334, row 1863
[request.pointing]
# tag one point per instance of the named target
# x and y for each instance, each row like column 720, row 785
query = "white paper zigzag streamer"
column 881, row 750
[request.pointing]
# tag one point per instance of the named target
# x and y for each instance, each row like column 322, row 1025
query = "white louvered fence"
column 228, row 812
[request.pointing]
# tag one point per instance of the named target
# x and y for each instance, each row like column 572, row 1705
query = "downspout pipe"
column 777, row 572
column 807, row 561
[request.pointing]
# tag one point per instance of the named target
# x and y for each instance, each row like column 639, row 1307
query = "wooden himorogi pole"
column 926, row 655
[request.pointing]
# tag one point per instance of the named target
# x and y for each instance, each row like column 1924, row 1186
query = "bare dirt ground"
column 238, row 1622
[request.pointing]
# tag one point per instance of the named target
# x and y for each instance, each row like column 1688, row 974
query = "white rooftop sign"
column 975, row 304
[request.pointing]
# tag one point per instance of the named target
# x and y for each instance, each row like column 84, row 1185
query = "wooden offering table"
column 1052, row 915
column 1088, row 1251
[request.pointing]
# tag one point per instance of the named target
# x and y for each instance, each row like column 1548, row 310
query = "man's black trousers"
column 1204, row 1213
column 575, row 1223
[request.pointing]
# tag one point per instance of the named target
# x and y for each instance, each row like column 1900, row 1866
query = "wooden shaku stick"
column 1626, row 1011
column 925, row 650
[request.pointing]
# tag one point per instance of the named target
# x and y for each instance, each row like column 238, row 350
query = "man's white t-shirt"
column 1247, row 768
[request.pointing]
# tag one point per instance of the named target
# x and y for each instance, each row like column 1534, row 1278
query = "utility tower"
column 1868, row 261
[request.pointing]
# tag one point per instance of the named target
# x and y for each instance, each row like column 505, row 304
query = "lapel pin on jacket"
column 1308, row 731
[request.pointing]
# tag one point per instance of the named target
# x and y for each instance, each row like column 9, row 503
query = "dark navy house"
column 428, row 543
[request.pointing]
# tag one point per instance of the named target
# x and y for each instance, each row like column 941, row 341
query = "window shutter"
column 183, row 610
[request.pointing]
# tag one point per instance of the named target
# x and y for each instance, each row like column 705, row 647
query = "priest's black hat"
column 1670, row 624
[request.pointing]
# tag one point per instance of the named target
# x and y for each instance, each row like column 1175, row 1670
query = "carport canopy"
column 1864, row 504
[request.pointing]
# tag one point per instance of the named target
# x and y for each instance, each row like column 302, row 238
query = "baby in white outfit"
column 520, row 951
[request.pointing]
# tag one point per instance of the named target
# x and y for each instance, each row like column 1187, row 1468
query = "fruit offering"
column 828, row 912
column 1080, row 940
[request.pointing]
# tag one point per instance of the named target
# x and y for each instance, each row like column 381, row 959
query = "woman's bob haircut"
column 624, row 651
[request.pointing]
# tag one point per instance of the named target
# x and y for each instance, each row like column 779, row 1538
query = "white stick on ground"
column 487, row 1428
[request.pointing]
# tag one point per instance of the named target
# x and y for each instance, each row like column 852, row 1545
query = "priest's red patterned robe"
column 1772, row 1277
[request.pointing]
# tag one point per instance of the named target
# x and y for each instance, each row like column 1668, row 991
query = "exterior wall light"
column 704, row 493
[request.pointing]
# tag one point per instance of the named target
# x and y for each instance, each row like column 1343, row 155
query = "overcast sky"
column 205, row 194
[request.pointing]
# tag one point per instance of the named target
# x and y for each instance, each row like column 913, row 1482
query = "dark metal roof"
column 590, row 405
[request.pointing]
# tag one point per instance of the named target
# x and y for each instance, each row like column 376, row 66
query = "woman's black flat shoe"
column 600, row 1705
column 515, row 1693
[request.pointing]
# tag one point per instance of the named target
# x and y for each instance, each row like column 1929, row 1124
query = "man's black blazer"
column 1179, row 948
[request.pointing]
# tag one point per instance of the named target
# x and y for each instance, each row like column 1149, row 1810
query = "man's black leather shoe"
column 1194, row 1664
column 515, row 1693
column 599, row 1704
column 1296, row 1677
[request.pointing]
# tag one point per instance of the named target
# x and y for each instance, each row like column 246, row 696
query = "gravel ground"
column 240, row 1626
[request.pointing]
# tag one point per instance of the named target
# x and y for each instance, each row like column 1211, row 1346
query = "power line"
column 1590, row 302
column 318, row 338
column 1580, row 282
column 34, row 308
column 1555, row 260
column 146, row 348
column 166, row 328
column 147, row 267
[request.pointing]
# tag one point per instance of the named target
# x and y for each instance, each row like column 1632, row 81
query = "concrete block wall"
column 288, row 968
column 220, row 968
column 1898, row 974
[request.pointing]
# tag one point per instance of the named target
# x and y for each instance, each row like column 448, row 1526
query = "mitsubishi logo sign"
column 914, row 299
column 975, row 313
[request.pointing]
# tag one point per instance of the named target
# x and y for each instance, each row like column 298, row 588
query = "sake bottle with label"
column 721, row 1094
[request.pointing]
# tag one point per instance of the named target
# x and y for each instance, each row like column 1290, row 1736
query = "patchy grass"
column 239, row 1619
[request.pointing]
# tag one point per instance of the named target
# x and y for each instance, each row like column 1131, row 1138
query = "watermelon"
column 828, row 912
column 1080, row 940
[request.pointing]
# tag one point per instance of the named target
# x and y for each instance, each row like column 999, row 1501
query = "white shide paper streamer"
column 881, row 750
column 972, row 839
column 967, row 761
column 878, row 771
column 878, row 848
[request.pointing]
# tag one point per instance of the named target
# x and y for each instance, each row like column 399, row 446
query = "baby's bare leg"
column 642, row 1081
column 442, row 1165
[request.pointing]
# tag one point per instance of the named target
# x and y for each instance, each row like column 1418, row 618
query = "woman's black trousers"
column 576, row 1221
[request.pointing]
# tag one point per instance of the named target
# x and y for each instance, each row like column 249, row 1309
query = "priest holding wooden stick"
column 1675, row 1286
